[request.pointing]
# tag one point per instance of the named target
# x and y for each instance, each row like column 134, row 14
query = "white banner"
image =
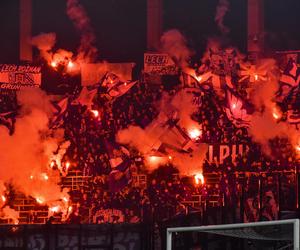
column 160, row 64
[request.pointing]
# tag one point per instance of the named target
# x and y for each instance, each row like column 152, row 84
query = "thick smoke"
column 87, row 51
column 45, row 42
column 264, row 126
column 175, row 44
column 149, row 139
column 24, row 156
column 222, row 9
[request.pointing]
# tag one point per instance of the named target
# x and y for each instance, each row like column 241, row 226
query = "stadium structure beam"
column 255, row 39
column 154, row 23
column 25, row 30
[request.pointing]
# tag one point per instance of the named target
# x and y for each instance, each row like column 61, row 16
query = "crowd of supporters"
column 162, row 197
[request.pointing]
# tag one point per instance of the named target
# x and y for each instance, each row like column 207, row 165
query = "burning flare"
column 95, row 113
column 199, row 179
column 195, row 133
column 276, row 113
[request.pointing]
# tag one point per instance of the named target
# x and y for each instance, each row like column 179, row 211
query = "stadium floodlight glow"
column 217, row 229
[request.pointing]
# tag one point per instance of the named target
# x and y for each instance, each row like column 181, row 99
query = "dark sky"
column 120, row 25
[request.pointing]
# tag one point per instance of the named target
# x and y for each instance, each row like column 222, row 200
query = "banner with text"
column 159, row 64
column 219, row 152
column 17, row 77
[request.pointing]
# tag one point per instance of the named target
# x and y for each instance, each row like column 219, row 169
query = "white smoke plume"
column 175, row 44
column 10, row 214
column 148, row 139
column 264, row 126
column 221, row 10
column 44, row 42
column 24, row 156
column 87, row 51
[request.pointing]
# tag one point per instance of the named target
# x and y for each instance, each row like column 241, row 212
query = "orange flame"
column 3, row 198
column 39, row 200
column 199, row 179
column 256, row 77
column 54, row 64
column 276, row 113
column 70, row 65
column 68, row 165
column 95, row 112
column 55, row 209
column 52, row 164
column 45, row 176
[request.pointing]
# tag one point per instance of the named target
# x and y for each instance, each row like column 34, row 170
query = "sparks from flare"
column 199, row 179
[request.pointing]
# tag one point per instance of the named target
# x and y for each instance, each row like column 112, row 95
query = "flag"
column 190, row 81
column 110, row 80
column 290, row 75
column 120, row 176
column 86, row 97
column 293, row 116
column 253, row 73
column 237, row 111
column 59, row 112
column 289, row 81
column 120, row 163
column 120, row 89
column 208, row 81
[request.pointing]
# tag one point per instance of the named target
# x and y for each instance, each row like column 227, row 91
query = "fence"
column 59, row 237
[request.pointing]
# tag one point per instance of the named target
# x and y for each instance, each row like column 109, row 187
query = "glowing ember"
column 154, row 159
column 199, row 179
column 52, row 164
column 199, row 78
column 276, row 114
column 70, row 64
column 45, row 176
column 68, row 165
column 39, row 200
column 195, row 133
column 54, row 64
column 95, row 112
column 3, row 198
